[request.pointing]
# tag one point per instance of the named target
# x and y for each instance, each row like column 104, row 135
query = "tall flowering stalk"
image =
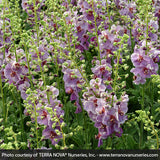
column 45, row 106
column 4, row 50
column 145, row 56
column 14, row 20
column 96, row 29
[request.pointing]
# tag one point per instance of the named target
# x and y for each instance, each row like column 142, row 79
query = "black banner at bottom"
column 79, row 154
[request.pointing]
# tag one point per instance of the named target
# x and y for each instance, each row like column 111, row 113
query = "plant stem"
column 4, row 50
column 85, row 124
column 116, row 72
column 36, row 125
column 96, row 30
column 64, row 141
column 73, row 60
column 29, row 70
column 152, row 99
column 157, row 138
column 37, row 31
column 4, row 26
column 22, row 121
column 108, row 14
column 141, row 125
column 84, row 77
column 131, row 37
column 13, row 33
column 36, row 21
column 146, row 30
column 2, row 95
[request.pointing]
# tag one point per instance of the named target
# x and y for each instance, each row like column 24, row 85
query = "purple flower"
column 145, row 64
column 73, row 81
column 128, row 9
column 22, row 88
column 27, row 6
column 43, row 117
column 139, row 58
column 2, row 75
column 105, row 110
column 51, row 134
column 97, row 85
column 79, row 109
column 11, row 74
column 102, row 71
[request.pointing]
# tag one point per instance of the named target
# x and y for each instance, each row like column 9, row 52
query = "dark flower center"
column 145, row 70
column 109, row 79
column 60, row 105
column 97, row 136
column 102, row 111
column 25, row 4
column 79, row 29
column 44, row 62
column 95, row 77
column 106, row 36
column 44, row 115
column 69, row 22
column 70, row 90
column 120, row 112
column 85, row 36
column 9, row 56
column 140, row 59
column 95, row 102
column 13, row 74
column 90, row 13
column 155, row 60
column 108, row 51
column 131, row 10
column 32, row 8
column 54, row 25
column 52, row 134
column 125, row 31
column 102, row 69
column 17, row 65
column 112, row 118
column 98, row 17
column 103, row 126
column 36, row 102
column 2, row 73
column 134, row 78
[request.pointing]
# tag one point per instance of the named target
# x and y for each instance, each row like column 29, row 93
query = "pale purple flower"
column 43, row 117
column 50, row 133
